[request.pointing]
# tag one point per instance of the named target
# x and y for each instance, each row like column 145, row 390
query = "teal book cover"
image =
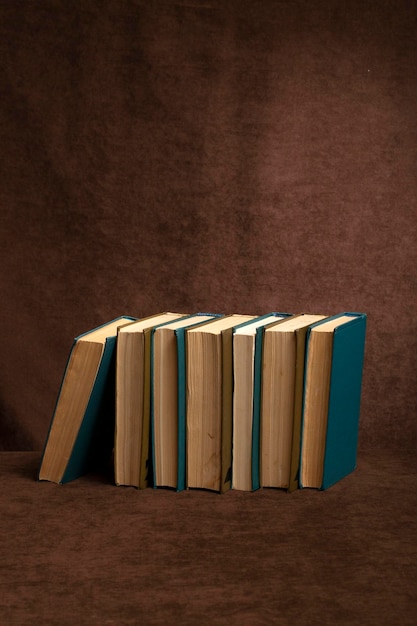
column 344, row 398
column 178, row 371
column 182, row 394
column 247, row 358
column 93, row 423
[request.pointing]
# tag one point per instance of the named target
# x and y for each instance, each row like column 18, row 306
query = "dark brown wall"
column 206, row 155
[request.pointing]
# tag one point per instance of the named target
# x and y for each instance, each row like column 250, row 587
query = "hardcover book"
column 332, row 392
column 282, row 391
column 132, row 448
column 168, row 369
column 209, row 403
column 80, row 436
column 246, row 398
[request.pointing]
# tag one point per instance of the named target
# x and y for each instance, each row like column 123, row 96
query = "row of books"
column 211, row 401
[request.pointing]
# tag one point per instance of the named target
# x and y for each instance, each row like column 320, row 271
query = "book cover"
column 168, row 433
column 331, row 404
column 80, row 435
column 247, row 347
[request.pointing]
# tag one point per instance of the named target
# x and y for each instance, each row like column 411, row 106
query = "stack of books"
column 211, row 401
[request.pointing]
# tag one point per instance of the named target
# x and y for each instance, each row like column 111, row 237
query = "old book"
column 247, row 347
column 80, row 436
column 282, row 390
column 209, row 403
column 168, row 401
column 133, row 393
column 332, row 393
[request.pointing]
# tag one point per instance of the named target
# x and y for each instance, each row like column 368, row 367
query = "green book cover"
column 340, row 408
column 227, row 408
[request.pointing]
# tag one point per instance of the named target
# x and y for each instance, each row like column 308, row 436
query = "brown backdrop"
column 224, row 156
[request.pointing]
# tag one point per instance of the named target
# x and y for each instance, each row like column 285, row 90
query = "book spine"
column 300, row 339
column 146, row 466
column 256, row 421
column 181, row 481
column 227, row 410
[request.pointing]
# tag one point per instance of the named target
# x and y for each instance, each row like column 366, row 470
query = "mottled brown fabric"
column 237, row 156
column 92, row 553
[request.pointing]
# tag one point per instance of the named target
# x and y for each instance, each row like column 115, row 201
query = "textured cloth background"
column 238, row 156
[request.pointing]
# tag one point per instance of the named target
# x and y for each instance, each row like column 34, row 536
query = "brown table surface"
column 89, row 552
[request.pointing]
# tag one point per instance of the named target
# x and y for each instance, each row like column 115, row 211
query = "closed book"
column 247, row 347
column 331, row 404
column 209, row 403
column 132, row 447
column 80, row 436
column 282, row 390
column 168, row 435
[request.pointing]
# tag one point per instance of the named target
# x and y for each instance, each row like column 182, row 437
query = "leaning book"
column 80, row 436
